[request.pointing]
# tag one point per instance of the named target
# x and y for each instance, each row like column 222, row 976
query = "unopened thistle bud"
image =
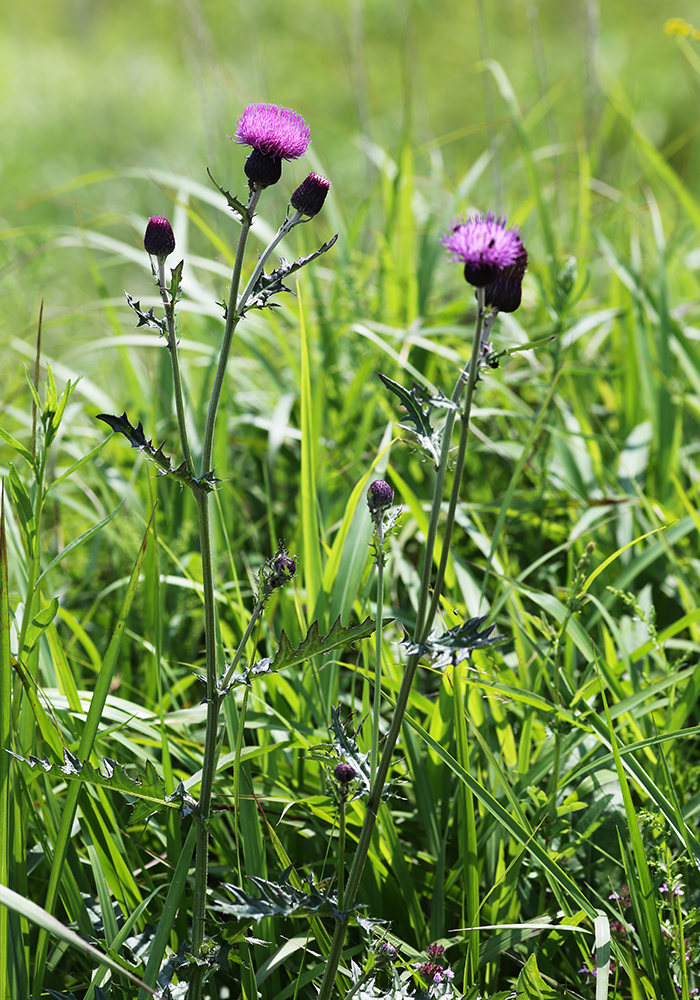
column 344, row 773
column 158, row 239
column 380, row 496
column 283, row 569
column 310, row 195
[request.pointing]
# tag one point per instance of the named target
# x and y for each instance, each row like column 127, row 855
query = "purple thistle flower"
column 310, row 195
column 344, row 773
column 484, row 246
column 158, row 239
column 379, row 496
column 275, row 134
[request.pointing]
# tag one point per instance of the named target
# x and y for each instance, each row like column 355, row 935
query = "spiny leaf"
column 148, row 788
column 270, row 284
column 137, row 439
column 280, row 899
column 313, row 644
column 418, row 410
column 233, row 203
column 456, row 644
column 148, row 319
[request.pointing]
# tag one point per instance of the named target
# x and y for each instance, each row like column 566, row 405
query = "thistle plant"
column 274, row 134
column 494, row 264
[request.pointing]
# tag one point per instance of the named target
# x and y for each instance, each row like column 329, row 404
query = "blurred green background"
column 88, row 85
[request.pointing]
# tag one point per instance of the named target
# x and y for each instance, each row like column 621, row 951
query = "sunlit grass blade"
column 87, row 740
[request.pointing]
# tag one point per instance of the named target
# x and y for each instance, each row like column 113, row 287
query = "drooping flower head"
column 485, row 246
column 158, row 239
column 275, row 134
column 310, row 195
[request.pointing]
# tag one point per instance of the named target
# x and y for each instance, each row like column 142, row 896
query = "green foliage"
column 535, row 777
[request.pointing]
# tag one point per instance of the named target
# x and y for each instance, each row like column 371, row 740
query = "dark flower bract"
column 506, row 292
column 485, row 246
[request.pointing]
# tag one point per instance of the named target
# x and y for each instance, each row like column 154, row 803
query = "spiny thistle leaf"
column 137, row 439
column 270, row 284
column 147, row 319
column 418, row 409
column 313, row 644
column 148, row 788
column 238, row 209
column 456, row 644
column 280, row 899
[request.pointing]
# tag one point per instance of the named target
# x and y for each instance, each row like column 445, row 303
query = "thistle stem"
column 169, row 306
column 424, row 621
column 473, row 373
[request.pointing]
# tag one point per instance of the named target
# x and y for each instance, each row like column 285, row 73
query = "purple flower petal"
column 273, row 130
column 485, row 246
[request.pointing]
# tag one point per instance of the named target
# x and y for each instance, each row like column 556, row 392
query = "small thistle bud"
column 379, row 496
column 386, row 953
column 310, row 195
column 159, row 240
column 283, row 569
column 344, row 773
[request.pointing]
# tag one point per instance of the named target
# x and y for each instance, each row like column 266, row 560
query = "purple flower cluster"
column 494, row 258
column 273, row 130
column 433, row 971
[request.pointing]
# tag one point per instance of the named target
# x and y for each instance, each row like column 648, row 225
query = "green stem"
column 377, row 659
column 461, row 453
column 232, row 317
column 341, row 849
column 424, row 620
column 169, row 306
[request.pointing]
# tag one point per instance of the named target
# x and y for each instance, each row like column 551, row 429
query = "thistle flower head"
column 310, row 195
column 275, row 134
column 273, row 130
column 484, row 245
column 379, row 496
column 158, row 239
column 344, row 773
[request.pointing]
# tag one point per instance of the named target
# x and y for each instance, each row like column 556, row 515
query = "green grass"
column 530, row 784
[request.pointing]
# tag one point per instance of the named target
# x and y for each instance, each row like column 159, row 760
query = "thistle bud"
column 310, row 195
column 344, row 773
column 379, row 496
column 158, row 239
